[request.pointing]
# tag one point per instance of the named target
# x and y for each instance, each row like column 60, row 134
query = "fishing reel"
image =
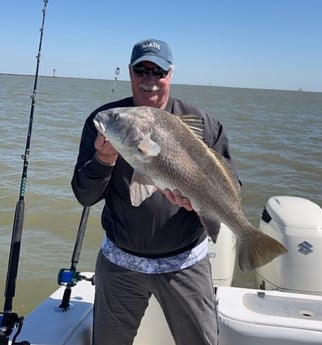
column 9, row 321
column 70, row 277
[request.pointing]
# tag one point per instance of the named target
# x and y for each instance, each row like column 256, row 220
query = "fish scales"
column 167, row 151
column 183, row 156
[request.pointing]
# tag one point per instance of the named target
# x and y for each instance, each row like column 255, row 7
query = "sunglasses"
column 142, row 71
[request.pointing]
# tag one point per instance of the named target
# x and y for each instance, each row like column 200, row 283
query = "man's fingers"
column 169, row 195
column 176, row 198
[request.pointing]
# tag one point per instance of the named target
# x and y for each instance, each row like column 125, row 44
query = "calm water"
column 275, row 137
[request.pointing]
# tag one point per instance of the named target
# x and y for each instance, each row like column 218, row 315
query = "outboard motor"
column 297, row 224
column 222, row 256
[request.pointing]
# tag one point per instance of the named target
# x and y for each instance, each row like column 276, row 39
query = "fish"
column 167, row 151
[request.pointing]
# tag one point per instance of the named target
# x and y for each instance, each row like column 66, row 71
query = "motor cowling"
column 297, row 223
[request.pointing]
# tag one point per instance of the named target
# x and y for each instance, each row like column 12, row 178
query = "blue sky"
column 271, row 44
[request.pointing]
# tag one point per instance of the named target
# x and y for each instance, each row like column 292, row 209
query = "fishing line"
column 8, row 319
column 117, row 72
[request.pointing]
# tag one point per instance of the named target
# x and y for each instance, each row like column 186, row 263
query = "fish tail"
column 258, row 251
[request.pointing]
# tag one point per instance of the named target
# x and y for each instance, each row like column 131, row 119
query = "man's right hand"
column 105, row 152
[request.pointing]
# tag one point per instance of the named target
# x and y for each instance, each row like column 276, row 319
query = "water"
column 275, row 138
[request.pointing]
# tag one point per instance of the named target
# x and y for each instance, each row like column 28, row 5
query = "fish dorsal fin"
column 194, row 123
column 148, row 147
column 141, row 188
column 226, row 170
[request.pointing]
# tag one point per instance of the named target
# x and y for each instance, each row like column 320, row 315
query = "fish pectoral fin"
column 148, row 147
column 212, row 227
column 141, row 188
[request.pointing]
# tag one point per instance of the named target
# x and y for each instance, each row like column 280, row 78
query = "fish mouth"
column 99, row 125
column 103, row 123
column 103, row 129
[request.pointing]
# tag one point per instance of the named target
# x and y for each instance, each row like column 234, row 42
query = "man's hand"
column 105, row 152
column 176, row 198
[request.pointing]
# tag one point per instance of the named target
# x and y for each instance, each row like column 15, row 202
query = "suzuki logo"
column 305, row 248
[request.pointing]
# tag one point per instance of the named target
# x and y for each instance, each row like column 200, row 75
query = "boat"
column 285, row 307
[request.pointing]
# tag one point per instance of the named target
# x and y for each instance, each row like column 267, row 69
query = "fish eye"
column 115, row 116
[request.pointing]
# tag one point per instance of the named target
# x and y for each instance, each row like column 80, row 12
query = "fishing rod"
column 69, row 276
column 8, row 319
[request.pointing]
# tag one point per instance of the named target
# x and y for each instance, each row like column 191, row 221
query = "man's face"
column 150, row 85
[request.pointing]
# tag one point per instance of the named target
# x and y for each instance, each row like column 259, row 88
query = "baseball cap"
column 152, row 50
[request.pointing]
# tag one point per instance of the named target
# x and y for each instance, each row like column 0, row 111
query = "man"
column 160, row 247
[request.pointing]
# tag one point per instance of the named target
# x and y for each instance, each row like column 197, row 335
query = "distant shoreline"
column 199, row 85
column 54, row 77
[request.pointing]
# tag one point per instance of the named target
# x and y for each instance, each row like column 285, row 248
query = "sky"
column 266, row 44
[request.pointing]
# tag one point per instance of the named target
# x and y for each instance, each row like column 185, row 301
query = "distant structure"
column 54, row 72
